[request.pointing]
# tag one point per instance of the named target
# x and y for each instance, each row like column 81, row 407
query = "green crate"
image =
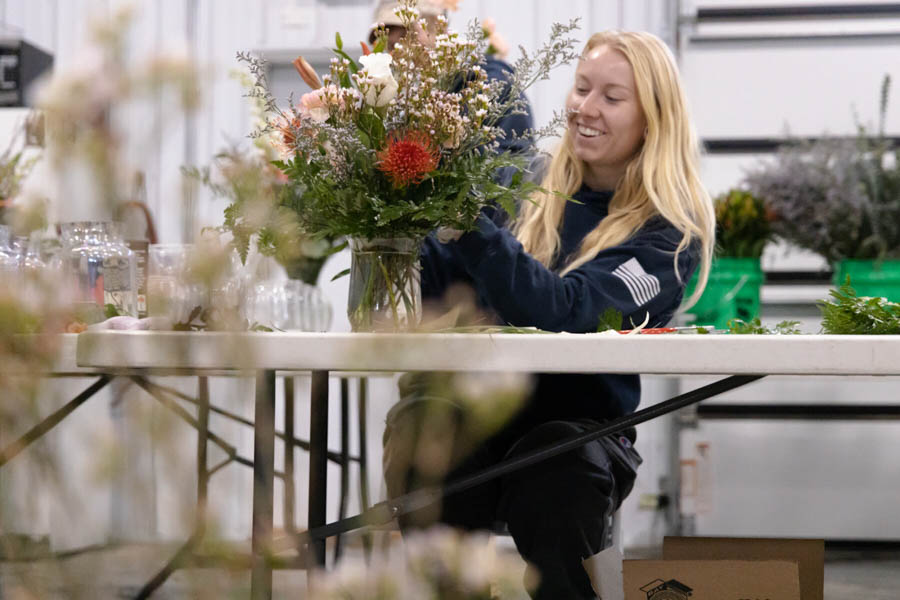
column 732, row 292
column 870, row 277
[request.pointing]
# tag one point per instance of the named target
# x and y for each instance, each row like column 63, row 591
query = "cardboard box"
column 711, row 580
column 808, row 554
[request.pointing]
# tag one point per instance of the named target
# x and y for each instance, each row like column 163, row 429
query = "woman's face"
column 606, row 121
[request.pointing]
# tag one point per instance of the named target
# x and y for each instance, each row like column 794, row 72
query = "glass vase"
column 385, row 291
column 99, row 269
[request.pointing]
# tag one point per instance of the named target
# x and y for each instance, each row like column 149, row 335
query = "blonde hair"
column 662, row 179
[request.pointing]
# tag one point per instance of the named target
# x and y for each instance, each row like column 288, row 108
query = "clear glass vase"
column 8, row 261
column 99, row 269
column 385, row 290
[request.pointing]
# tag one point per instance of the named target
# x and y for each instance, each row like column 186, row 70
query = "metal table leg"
column 345, row 460
column 362, row 413
column 263, row 484
column 186, row 551
column 318, row 462
column 290, row 524
column 7, row 453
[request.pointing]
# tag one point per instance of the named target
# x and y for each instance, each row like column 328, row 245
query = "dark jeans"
column 557, row 511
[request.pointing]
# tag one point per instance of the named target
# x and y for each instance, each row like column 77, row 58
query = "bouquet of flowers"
column 398, row 144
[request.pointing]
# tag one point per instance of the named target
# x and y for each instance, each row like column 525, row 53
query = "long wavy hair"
column 661, row 179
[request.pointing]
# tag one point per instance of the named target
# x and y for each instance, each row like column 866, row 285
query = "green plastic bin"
column 870, row 277
column 732, row 292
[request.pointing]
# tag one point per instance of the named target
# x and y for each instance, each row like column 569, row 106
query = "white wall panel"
column 808, row 88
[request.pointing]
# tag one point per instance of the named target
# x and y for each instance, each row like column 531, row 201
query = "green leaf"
column 371, row 124
column 337, row 248
column 849, row 314
column 353, row 66
column 110, row 311
column 338, row 41
column 610, row 319
column 341, row 274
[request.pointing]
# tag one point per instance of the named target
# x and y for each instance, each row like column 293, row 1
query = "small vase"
column 385, row 292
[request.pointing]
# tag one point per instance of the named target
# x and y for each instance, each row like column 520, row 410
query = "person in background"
column 513, row 125
column 640, row 227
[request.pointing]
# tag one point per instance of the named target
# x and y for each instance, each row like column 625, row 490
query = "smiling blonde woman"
column 640, row 225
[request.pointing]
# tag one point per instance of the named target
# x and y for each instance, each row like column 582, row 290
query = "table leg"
column 290, row 524
column 185, row 553
column 7, row 453
column 362, row 414
column 318, row 462
column 263, row 483
column 345, row 460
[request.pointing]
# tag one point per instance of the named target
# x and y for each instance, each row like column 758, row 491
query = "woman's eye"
column 582, row 91
column 611, row 99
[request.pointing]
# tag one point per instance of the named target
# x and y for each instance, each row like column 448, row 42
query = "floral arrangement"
column 401, row 143
column 394, row 145
column 743, row 225
column 837, row 197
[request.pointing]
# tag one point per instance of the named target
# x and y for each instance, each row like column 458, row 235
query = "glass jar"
column 31, row 259
column 8, row 259
column 385, row 292
column 99, row 269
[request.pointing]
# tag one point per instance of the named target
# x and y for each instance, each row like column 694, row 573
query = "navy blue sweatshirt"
column 636, row 278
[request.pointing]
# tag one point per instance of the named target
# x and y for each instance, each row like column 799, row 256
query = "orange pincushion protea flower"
column 408, row 157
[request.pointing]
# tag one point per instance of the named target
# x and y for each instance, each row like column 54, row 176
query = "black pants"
column 557, row 511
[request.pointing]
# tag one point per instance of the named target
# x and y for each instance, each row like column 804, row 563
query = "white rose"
column 382, row 87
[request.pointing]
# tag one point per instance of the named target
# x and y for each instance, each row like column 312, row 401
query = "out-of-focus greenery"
column 252, row 187
column 755, row 326
column 743, row 225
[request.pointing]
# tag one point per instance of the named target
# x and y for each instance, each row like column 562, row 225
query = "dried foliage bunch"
column 394, row 145
column 743, row 224
column 837, row 197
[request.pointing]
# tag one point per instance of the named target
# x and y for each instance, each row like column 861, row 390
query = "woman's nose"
column 589, row 107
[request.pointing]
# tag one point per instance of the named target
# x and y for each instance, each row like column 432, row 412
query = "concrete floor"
column 117, row 573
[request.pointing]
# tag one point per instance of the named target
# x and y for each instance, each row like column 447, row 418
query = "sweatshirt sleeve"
column 637, row 278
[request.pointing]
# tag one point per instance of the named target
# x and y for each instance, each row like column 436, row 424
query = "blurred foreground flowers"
column 438, row 564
